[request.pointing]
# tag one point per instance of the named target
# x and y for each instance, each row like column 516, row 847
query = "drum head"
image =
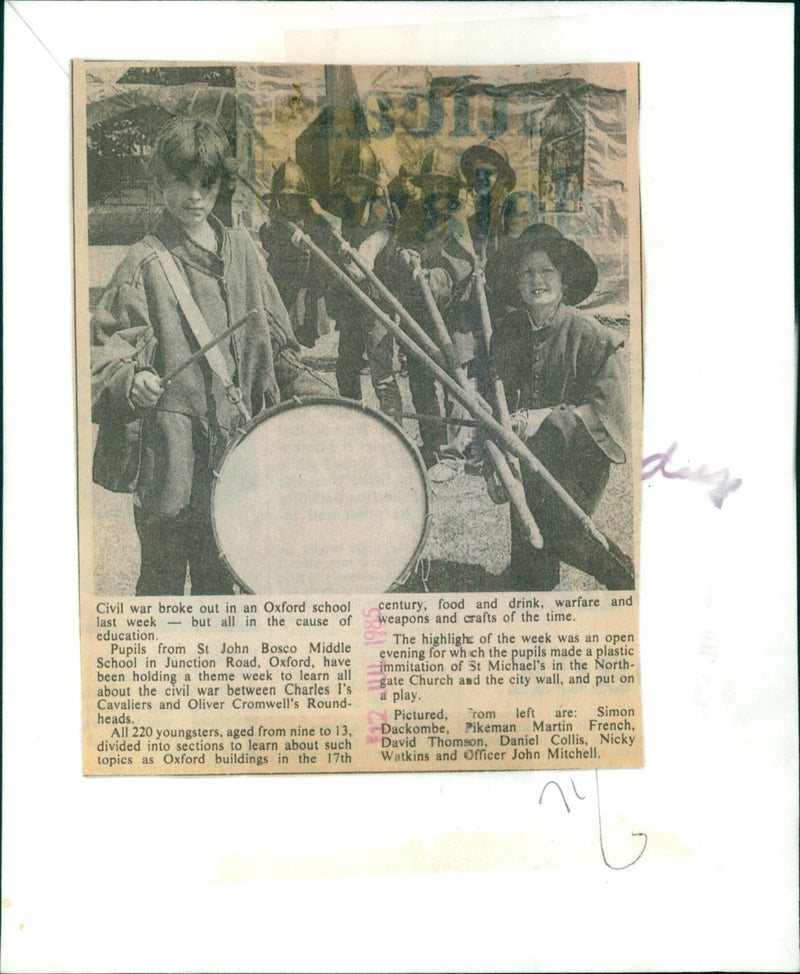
column 321, row 496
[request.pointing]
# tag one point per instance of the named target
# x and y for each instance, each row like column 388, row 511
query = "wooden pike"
column 507, row 439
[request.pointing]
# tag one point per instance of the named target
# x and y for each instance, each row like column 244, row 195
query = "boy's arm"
column 604, row 407
column 123, row 343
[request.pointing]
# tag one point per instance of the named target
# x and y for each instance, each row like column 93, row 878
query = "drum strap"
column 196, row 321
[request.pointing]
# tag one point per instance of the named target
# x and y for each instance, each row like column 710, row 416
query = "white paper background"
column 443, row 871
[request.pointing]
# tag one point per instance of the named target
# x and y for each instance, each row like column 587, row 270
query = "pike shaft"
column 413, row 325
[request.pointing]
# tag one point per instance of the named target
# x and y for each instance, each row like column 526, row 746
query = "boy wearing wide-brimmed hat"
column 567, row 390
column 489, row 178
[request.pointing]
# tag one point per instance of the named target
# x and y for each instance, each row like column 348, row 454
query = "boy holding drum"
column 164, row 441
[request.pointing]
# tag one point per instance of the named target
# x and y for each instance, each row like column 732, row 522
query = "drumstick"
column 442, row 420
column 202, row 351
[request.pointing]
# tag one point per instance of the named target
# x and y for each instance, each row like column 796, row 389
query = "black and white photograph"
column 361, row 329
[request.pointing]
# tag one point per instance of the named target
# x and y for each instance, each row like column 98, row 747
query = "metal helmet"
column 358, row 161
column 290, row 178
column 440, row 164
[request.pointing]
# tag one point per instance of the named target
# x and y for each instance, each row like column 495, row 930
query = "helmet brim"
column 457, row 182
column 373, row 184
column 485, row 155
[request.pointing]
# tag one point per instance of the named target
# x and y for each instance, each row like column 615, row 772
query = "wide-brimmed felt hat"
column 489, row 153
column 578, row 270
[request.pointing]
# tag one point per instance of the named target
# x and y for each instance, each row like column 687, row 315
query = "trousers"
column 570, row 454
column 438, row 439
column 355, row 338
column 170, row 545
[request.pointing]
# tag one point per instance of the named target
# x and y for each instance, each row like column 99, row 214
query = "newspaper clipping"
column 359, row 399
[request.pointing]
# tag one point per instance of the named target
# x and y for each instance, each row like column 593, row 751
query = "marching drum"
column 321, row 495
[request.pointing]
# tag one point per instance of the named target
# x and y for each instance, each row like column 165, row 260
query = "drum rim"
column 297, row 402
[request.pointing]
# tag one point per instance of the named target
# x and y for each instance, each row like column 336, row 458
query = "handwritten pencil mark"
column 551, row 782
column 582, row 797
column 723, row 483
column 560, row 791
column 600, row 833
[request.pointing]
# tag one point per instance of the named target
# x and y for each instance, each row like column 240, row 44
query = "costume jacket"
column 485, row 227
column 289, row 266
column 442, row 255
column 167, row 453
column 298, row 279
column 571, row 364
column 368, row 238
